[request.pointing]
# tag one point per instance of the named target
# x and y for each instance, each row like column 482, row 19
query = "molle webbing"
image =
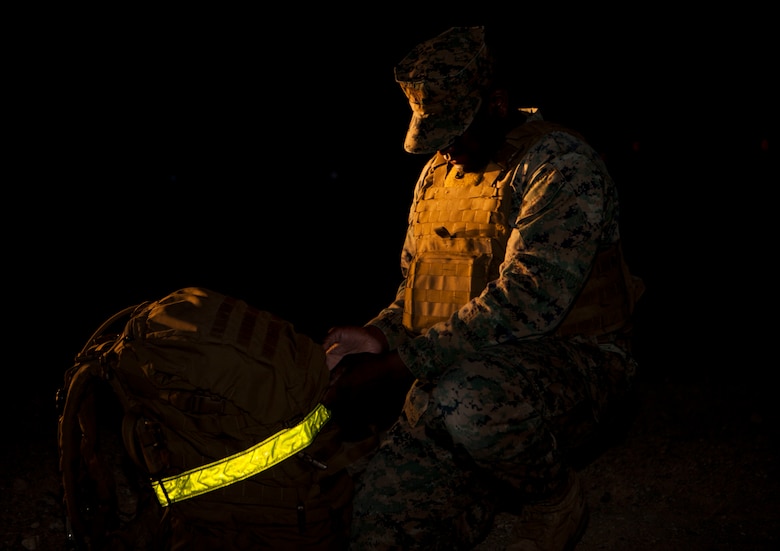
column 204, row 369
column 607, row 301
column 461, row 230
column 461, row 227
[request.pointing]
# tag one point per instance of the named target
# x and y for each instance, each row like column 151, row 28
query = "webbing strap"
column 242, row 465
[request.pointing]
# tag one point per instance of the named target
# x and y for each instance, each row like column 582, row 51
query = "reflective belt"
column 242, row 465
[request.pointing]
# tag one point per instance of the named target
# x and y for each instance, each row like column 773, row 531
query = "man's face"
column 472, row 149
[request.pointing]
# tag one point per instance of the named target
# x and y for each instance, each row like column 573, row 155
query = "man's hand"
column 367, row 392
column 344, row 340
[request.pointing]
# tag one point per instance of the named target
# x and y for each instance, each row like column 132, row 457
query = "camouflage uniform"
column 501, row 395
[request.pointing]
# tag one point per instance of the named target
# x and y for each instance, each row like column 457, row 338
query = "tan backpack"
column 199, row 425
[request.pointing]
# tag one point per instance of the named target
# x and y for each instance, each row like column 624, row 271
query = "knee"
column 482, row 418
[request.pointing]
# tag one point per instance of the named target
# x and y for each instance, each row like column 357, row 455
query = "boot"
column 555, row 524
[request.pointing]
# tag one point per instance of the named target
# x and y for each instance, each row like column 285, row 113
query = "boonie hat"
column 443, row 79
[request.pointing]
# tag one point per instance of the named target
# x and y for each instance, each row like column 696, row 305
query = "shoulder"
column 555, row 142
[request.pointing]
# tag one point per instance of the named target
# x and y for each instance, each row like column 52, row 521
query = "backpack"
column 195, row 422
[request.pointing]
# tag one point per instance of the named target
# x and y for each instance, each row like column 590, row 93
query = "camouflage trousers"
column 492, row 432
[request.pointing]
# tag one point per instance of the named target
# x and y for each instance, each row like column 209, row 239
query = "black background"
column 261, row 155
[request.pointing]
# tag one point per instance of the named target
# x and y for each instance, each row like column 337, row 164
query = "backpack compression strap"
column 242, row 465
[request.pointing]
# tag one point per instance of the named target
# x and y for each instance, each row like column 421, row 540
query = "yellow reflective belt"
column 242, row 465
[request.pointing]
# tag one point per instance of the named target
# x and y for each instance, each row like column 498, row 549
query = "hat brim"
column 429, row 132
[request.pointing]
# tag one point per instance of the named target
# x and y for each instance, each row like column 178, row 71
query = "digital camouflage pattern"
column 564, row 208
column 492, row 436
column 443, row 78
column 499, row 400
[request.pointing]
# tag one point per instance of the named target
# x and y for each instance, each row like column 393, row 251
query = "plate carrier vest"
column 461, row 229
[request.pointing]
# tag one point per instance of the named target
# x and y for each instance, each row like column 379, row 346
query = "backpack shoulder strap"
column 77, row 433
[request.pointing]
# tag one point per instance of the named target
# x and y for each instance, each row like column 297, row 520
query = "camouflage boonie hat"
column 443, row 79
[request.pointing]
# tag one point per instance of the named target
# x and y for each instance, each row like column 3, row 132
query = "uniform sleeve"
column 558, row 221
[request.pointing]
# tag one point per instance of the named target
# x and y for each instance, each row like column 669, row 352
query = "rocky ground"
column 698, row 469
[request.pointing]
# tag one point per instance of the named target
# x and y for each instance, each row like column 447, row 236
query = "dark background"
column 261, row 155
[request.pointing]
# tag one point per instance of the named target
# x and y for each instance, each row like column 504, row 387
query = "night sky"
column 262, row 157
